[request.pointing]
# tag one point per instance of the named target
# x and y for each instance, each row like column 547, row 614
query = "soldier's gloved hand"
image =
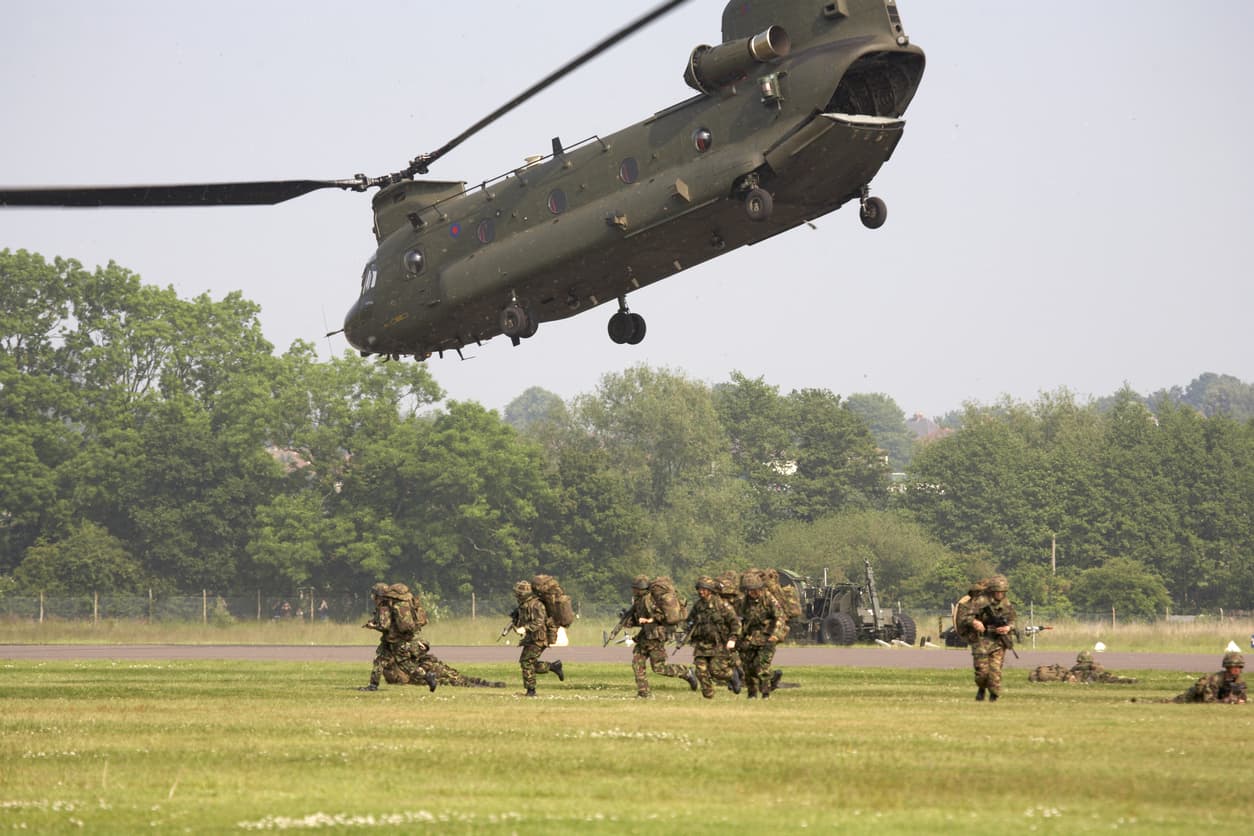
column 977, row 625
column 1001, row 630
column 646, row 620
column 731, row 644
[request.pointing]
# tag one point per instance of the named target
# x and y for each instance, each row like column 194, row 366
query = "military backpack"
column 556, row 602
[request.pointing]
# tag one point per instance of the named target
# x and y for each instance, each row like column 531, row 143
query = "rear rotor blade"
column 420, row 164
column 261, row 193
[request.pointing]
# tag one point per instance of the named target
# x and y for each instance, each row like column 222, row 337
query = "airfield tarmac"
column 853, row 657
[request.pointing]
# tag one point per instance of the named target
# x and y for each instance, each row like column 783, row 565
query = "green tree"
column 887, row 423
column 88, row 560
column 1123, row 585
column 837, row 466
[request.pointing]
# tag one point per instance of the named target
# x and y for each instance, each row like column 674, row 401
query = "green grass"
column 220, row 746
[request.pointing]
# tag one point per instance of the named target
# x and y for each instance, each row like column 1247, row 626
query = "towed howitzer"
column 624, row 619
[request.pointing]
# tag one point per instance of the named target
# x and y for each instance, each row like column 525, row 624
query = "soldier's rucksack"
column 401, row 606
column 667, row 601
column 1050, row 673
column 556, row 602
column 786, row 595
column 964, row 602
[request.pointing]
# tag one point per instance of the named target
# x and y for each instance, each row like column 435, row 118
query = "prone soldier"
column 1227, row 686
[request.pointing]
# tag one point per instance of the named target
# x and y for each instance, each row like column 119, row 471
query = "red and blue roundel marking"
column 454, row 230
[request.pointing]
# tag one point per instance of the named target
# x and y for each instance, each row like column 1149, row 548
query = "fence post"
column 95, row 608
column 258, row 604
column 472, row 605
column 1112, row 617
column 150, row 605
column 41, row 606
column 204, row 607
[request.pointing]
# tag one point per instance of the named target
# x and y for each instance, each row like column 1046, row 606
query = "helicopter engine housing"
column 712, row 67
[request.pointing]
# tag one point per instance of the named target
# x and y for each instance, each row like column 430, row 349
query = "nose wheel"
column 517, row 322
column 625, row 326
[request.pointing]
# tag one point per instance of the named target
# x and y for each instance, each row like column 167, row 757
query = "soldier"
column 987, row 622
column 1226, row 686
column 729, row 590
column 397, row 631
column 1085, row 670
column 762, row 625
column 650, row 642
column 535, row 623
column 445, row 674
column 711, row 629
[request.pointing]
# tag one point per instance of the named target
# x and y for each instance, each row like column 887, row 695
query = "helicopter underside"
column 826, row 163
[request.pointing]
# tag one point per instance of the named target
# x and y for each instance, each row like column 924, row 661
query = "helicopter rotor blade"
column 260, row 193
column 420, row 164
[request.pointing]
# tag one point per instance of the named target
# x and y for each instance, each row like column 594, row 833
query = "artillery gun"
column 845, row 613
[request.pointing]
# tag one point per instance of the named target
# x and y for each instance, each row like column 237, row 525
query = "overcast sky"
column 1071, row 204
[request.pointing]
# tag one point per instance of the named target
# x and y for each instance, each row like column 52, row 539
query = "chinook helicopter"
column 793, row 115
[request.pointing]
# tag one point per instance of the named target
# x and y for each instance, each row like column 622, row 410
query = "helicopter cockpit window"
column 486, row 231
column 414, row 262
column 628, row 170
column 369, row 276
column 557, row 201
column 702, row 139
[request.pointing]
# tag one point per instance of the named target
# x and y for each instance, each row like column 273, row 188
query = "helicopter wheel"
column 620, row 327
column 637, row 329
column 873, row 213
column 515, row 322
column 758, row 204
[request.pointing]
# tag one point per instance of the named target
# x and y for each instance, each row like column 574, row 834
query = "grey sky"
column 1070, row 205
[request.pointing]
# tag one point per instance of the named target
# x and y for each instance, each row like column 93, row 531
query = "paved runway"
column 854, row 657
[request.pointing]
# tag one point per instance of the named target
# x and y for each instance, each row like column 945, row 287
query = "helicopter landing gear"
column 758, row 204
column 517, row 323
column 873, row 211
column 625, row 326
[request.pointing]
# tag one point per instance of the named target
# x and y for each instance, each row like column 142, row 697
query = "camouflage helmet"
column 706, row 582
column 1234, row 660
column 1084, row 656
column 640, row 582
column 729, row 583
column 379, row 590
column 522, row 589
column 398, row 590
column 997, row 583
column 750, row 580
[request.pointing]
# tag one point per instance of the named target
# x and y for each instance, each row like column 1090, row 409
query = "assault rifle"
column 513, row 618
column 681, row 639
column 624, row 618
column 992, row 623
column 1035, row 628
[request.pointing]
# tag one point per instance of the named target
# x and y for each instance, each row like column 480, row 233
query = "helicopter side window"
column 702, row 139
column 414, row 262
column 557, row 201
column 369, row 276
column 628, row 170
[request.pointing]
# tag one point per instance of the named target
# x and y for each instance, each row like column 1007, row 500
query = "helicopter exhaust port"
column 712, row 67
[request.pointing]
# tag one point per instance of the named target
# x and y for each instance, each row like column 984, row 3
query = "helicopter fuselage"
column 786, row 140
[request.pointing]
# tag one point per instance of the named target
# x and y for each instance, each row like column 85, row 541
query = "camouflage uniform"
column 1086, row 671
column 762, row 625
column 988, row 647
column 1228, row 685
column 395, row 651
column 536, row 625
column 729, row 589
column 650, row 642
column 711, row 625
column 444, row 674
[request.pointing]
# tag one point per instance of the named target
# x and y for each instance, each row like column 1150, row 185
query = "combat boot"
column 735, row 681
column 531, row 692
column 373, row 686
column 643, row 695
column 556, row 667
column 992, row 696
column 690, row 676
column 431, row 680
column 776, row 676
column 979, row 695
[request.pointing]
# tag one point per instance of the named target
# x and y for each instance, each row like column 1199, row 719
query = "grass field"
column 112, row 747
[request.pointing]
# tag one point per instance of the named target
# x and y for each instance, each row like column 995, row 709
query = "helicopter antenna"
column 421, row 163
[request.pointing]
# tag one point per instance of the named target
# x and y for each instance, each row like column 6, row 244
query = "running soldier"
column 762, row 625
column 650, row 642
column 1227, row 686
column 711, row 629
column 537, row 627
column 986, row 623
column 393, row 619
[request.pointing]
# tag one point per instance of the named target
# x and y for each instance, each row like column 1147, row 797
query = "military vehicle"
column 845, row 613
column 793, row 115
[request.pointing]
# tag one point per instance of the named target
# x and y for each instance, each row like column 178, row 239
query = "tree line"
column 153, row 442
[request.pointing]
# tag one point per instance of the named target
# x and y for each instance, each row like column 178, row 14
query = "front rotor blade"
column 263, row 193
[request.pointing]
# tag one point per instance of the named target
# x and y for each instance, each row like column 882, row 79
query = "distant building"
column 925, row 429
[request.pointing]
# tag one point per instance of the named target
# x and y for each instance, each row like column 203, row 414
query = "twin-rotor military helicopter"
column 794, row 114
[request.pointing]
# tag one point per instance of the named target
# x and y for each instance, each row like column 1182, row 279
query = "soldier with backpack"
column 656, row 614
column 711, row 628
column 538, row 630
column 987, row 622
column 397, row 619
column 762, row 626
